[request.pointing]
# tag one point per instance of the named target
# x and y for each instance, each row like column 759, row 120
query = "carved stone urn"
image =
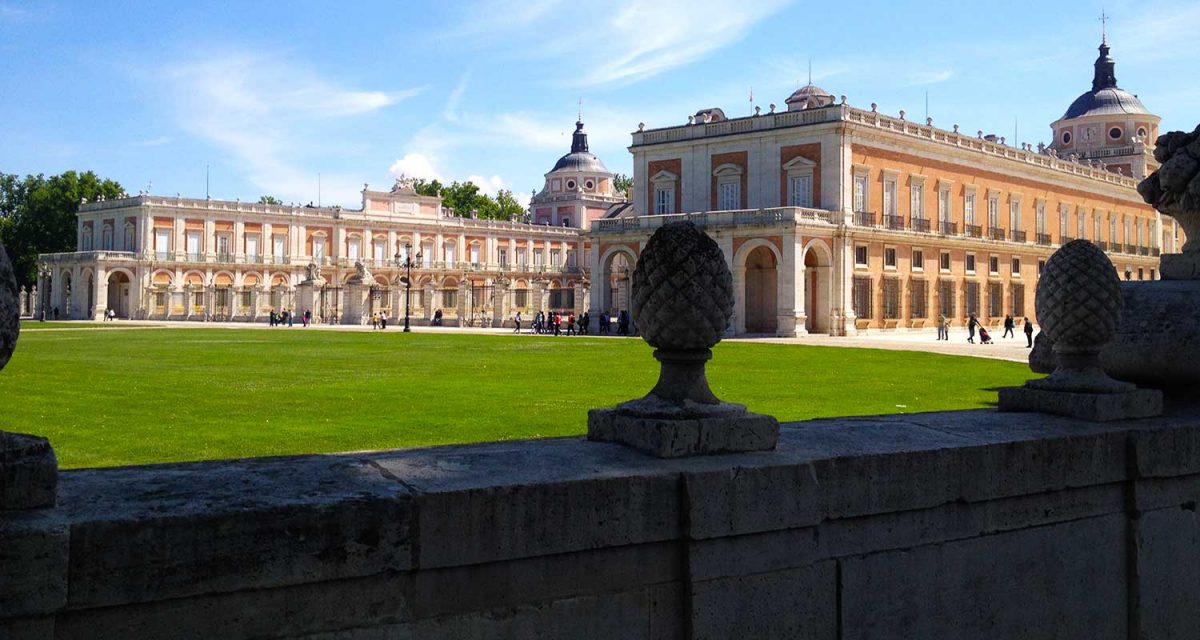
column 28, row 466
column 682, row 303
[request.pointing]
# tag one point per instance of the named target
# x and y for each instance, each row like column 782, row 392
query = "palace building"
column 836, row 219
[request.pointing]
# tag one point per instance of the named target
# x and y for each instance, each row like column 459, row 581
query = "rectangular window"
column 378, row 249
column 193, row 245
column 521, row 262
column 944, row 262
column 571, row 258
column 860, row 292
column 860, row 255
column 537, row 257
column 1018, row 300
column 891, row 298
column 729, row 196
column 918, row 299
column 918, row 260
column 427, row 255
column 889, row 257
column 474, row 252
column 800, row 188
column 1112, row 230
column 1081, row 223
column 946, row 298
column 555, row 258
column 449, row 298
column 664, row 200
column 972, row 298
column 502, row 257
column 970, row 263
column 993, row 212
column 917, row 204
column 995, row 300
column 353, row 248
column 252, row 246
column 318, row 247
column 1014, row 215
column 860, row 192
column 944, row 206
column 279, row 249
column 889, row 197
column 1041, row 267
column 162, row 240
column 1063, row 224
column 521, row 298
column 969, row 207
column 1040, row 218
column 993, row 265
column 450, row 254
column 129, row 244
column 1016, row 267
column 1096, row 226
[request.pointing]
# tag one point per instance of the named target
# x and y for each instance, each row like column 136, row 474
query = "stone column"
column 539, row 295
column 100, row 293
column 738, row 325
column 500, row 309
column 464, row 305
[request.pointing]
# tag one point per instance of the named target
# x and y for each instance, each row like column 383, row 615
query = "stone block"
column 281, row 612
column 1168, row 551
column 1060, row 581
column 679, row 438
column 33, row 564
column 513, row 583
column 1096, row 407
column 1172, row 448
column 28, row 472
column 502, row 501
column 620, row 616
column 144, row 534
column 27, row 628
column 797, row 603
column 1179, row 266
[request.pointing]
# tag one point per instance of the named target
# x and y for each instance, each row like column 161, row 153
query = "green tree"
column 507, row 206
column 425, row 187
column 460, row 197
column 39, row 215
column 622, row 184
column 269, row 200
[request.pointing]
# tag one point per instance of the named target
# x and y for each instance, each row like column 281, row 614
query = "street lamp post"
column 407, row 262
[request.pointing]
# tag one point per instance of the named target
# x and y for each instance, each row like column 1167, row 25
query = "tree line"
column 37, row 215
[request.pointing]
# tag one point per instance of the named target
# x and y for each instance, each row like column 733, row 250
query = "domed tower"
column 1108, row 124
column 578, row 189
column 810, row 96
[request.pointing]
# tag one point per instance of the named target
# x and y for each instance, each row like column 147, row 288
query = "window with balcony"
column 555, row 258
column 318, row 249
column 162, row 241
column 86, row 243
column 537, row 257
column 279, row 246
column 1064, row 224
column 379, row 250
column 1081, row 223
column 944, row 210
column 449, row 251
column 353, row 248
column 969, row 207
column 729, row 195
column 917, row 200
column 474, row 253
column 130, row 243
column 889, row 197
column 799, row 172
column 252, row 251
column 860, row 191
column 106, row 237
column 664, row 200
column 193, row 245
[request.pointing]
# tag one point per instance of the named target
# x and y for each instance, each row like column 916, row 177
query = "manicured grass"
column 159, row 395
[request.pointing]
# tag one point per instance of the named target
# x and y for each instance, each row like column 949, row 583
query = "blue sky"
column 270, row 94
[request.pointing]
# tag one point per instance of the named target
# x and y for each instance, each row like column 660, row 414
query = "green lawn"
column 157, row 395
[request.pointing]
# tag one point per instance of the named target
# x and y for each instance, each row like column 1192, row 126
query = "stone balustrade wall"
column 942, row 525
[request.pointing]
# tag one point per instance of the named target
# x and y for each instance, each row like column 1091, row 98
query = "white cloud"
column 490, row 186
column 918, row 78
column 269, row 114
column 153, row 142
column 452, row 101
column 638, row 40
column 415, row 165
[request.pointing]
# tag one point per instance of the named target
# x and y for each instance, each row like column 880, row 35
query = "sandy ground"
column 1012, row 349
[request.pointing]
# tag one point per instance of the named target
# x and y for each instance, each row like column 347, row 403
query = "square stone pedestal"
column 1179, row 266
column 1097, row 407
column 681, row 437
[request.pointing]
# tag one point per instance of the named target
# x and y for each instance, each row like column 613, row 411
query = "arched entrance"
column 761, row 307
column 817, row 288
column 617, row 271
column 118, row 293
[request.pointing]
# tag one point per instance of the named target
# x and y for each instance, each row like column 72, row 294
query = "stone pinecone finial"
column 10, row 312
column 1079, row 297
column 682, row 289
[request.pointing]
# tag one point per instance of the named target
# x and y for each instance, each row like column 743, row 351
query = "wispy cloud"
column 153, row 142
column 1158, row 33
column 918, row 78
column 639, row 39
column 455, row 97
column 15, row 14
column 268, row 113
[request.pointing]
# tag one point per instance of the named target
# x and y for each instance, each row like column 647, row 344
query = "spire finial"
column 810, row 70
column 1103, row 27
column 579, row 114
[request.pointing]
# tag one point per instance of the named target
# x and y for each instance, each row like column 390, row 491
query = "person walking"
column 1009, row 325
column 382, row 320
column 374, row 321
column 971, row 322
column 291, row 317
column 623, row 323
column 556, row 320
column 571, row 324
column 1028, row 333
column 584, row 320
column 943, row 334
column 517, row 322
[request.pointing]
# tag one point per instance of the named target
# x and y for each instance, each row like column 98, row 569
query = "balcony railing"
column 1130, row 249
column 1103, row 244
column 864, row 218
column 1043, row 239
column 995, row 233
column 1155, row 251
column 895, row 223
column 1143, row 251
column 1065, row 239
column 948, row 228
column 921, row 225
column 973, row 231
column 1016, row 236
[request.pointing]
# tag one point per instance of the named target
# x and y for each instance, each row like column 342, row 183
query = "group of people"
column 379, row 320
column 557, row 323
column 974, row 325
column 287, row 318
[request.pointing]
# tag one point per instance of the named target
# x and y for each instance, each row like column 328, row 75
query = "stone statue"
column 1079, row 302
column 28, row 466
column 1174, row 189
column 404, row 184
column 313, row 272
column 682, row 303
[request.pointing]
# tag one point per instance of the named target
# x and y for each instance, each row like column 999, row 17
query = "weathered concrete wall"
column 946, row 525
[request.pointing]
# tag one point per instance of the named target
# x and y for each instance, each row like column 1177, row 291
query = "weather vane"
column 1103, row 27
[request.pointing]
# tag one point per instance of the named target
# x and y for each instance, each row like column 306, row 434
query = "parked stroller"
column 984, row 336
